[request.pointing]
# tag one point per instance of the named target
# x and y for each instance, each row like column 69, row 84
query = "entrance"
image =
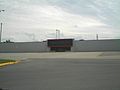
column 60, row 49
column 60, row 45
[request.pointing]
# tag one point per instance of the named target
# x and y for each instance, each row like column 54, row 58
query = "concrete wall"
column 87, row 45
column 96, row 45
column 24, row 47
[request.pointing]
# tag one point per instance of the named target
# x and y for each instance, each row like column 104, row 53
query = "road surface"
column 62, row 74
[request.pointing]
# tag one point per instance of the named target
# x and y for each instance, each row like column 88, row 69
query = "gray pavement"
column 72, row 55
column 62, row 74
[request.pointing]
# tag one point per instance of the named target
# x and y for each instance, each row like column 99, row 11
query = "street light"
column 97, row 37
column 0, row 32
column 57, row 34
column 1, row 25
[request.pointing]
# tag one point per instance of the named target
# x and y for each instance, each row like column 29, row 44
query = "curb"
column 8, row 63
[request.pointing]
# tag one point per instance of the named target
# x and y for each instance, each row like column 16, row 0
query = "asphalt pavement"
column 62, row 74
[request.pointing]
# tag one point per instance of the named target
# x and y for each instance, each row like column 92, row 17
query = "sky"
column 37, row 20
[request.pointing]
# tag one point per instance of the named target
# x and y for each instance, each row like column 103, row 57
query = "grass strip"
column 5, row 62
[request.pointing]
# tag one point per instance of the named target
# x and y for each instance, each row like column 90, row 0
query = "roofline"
column 59, row 39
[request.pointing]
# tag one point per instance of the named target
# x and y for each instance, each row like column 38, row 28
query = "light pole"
column 57, row 34
column 1, row 32
column 97, row 37
column 1, row 25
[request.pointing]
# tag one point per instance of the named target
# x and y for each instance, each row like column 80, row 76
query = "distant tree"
column 81, row 40
column 8, row 41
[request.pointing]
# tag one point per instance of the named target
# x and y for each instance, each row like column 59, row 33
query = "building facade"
column 61, row 45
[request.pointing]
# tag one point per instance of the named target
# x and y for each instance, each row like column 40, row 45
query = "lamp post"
column 1, row 32
column 97, row 37
column 57, row 34
column 1, row 26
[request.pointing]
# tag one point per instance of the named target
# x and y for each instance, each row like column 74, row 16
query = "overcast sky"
column 37, row 20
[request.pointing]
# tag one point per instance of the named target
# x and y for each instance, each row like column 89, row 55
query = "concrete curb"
column 8, row 63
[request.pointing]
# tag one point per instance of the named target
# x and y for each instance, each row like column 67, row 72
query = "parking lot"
column 62, row 74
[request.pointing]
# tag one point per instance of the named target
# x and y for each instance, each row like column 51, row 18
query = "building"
column 61, row 45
